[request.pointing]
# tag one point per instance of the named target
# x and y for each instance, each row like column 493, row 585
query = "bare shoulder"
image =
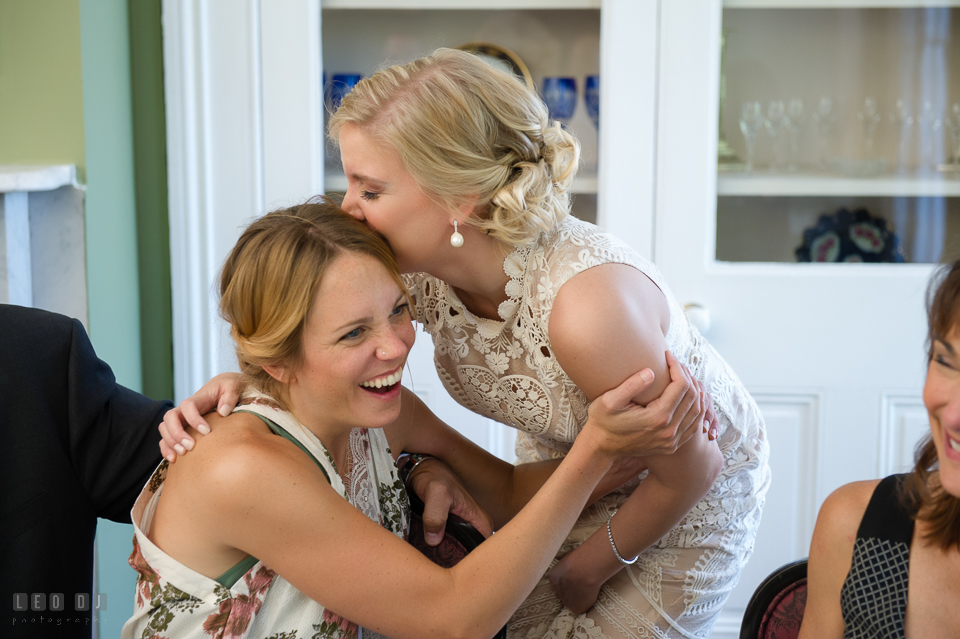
column 831, row 553
column 239, row 456
column 607, row 323
column 842, row 511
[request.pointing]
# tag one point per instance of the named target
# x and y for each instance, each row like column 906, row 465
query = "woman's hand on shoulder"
column 220, row 393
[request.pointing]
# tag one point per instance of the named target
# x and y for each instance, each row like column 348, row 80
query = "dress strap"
column 279, row 430
column 886, row 517
column 233, row 575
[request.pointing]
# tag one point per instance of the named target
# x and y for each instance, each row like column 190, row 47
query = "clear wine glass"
column 795, row 122
column 824, row 117
column 953, row 123
column 929, row 124
column 776, row 121
column 560, row 96
column 869, row 117
column 751, row 121
column 902, row 121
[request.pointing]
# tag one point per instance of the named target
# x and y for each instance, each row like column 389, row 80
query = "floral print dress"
column 173, row 602
column 505, row 369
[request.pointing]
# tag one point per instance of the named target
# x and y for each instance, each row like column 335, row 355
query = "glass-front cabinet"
column 839, row 132
column 553, row 46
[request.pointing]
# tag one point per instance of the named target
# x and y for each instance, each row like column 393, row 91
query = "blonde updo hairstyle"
column 269, row 282
column 463, row 128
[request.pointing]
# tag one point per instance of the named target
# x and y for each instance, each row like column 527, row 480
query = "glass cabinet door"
column 839, row 132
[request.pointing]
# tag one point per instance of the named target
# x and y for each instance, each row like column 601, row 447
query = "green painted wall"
column 81, row 82
column 41, row 95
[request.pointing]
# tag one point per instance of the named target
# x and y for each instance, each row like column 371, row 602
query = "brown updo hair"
column 922, row 490
column 463, row 128
column 270, row 280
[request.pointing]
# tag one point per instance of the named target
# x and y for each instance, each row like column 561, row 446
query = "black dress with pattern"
column 873, row 599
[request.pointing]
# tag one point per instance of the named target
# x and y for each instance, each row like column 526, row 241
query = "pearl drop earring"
column 456, row 240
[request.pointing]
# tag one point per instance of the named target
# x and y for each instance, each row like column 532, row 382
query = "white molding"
column 809, row 407
column 627, row 179
column 19, row 177
column 837, row 4
column 236, row 142
column 903, row 421
column 792, row 501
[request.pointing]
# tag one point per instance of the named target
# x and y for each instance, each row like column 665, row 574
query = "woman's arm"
column 268, row 500
column 831, row 553
column 502, row 489
column 606, row 322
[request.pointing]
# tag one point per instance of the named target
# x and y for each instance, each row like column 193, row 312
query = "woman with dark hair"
column 885, row 556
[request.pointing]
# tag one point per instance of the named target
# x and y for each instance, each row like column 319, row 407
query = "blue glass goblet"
column 340, row 85
column 560, row 96
column 591, row 98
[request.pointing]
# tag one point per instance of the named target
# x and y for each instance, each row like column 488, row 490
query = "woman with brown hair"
column 301, row 534
column 885, row 555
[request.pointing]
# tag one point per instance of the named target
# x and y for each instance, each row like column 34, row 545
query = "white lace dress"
column 506, row 370
column 173, row 600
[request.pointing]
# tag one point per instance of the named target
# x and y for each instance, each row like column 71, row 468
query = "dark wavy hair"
column 922, row 491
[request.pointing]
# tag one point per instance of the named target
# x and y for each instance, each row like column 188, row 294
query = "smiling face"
column 941, row 395
column 355, row 342
column 383, row 194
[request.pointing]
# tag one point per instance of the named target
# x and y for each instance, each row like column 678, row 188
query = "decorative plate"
column 501, row 58
column 850, row 237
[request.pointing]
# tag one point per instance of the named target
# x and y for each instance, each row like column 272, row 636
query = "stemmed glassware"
column 794, row 123
column 824, row 117
column 929, row 124
column 751, row 121
column 953, row 123
column 776, row 121
column 869, row 118
column 902, row 120
column 560, row 96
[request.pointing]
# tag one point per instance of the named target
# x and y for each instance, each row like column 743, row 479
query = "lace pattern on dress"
column 506, row 371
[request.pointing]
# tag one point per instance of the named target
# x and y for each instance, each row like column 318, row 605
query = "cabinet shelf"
column 822, row 184
column 585, row 183
column 837, row 4
column 461, row 4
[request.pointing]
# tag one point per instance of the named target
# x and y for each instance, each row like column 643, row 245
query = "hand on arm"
column 607, row 322
column 220, row 393
column 443, row 493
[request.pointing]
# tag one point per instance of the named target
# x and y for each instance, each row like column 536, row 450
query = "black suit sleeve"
column 113, row 436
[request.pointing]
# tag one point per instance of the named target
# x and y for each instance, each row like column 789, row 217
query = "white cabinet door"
column 833, row 354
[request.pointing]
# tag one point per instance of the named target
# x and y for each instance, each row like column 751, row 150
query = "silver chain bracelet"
column 614, row 546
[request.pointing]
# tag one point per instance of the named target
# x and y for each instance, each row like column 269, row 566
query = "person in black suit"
column 74, row 446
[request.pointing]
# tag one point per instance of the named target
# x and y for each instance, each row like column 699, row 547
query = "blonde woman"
column 533, row 315
column 885, row 555
column 288, row 519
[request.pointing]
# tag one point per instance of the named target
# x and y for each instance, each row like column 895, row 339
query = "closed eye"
column 368, row 195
